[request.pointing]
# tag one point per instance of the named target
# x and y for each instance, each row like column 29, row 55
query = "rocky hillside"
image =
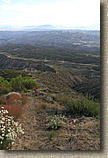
column 52, row 114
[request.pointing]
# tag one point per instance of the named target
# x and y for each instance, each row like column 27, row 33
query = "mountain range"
column 47, row 27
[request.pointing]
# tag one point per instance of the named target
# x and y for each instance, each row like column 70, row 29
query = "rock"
column 11, row 93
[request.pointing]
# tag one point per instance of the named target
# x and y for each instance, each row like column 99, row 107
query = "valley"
column 75, row 53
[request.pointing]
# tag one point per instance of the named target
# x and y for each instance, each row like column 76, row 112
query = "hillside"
column 74, row 133
column 48, row 115
column 50, row 84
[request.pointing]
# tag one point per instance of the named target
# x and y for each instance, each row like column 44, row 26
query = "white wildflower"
column 1, row 137
column 8, row 128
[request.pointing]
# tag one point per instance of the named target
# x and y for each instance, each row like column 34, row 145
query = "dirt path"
column 29, row 141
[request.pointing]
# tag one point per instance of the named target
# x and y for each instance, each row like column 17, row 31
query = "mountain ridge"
column 43, row 27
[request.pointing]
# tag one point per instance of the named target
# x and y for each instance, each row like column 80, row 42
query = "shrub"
column 9, row 130
column 82, row 106
column 16, row 83
column 55, row 122
column 13, row 103
column 5, row 83
column 43, row 106
column 51, row 135
column 13, row 98
column 20, row 83
column 14, row 110
column 7, row 74
column 28, row 83
column 5, row 90
column 25, row 90
column 1, row 79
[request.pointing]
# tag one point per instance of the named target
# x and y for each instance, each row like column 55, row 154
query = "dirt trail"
column 29, row 141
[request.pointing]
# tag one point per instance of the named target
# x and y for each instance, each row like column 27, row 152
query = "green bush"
column 51, row 135
column 28, row 83
column 25, row 90
column 7, row 74
column 16, row 84
column 5, row 90
column 82, row 106
column 20, row 83
column 5, row 86
column 1, row 79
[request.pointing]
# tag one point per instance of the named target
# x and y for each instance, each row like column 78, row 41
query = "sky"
column 70, row 13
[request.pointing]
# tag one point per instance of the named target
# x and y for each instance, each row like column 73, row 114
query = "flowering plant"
column 56, row 122
column 9, row 130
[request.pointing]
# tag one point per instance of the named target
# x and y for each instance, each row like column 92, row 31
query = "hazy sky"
column 71, row 13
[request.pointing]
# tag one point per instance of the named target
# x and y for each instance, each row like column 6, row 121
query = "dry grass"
column 13, row 98
column 14, row 110
column 45, row 105
column 24, row 99
column 13, row 103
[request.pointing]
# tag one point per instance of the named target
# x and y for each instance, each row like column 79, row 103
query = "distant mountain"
column 47, row 27
column 39, row 27
column 51, row 27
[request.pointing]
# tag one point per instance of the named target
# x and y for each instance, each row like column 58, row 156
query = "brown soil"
column 75, row 133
